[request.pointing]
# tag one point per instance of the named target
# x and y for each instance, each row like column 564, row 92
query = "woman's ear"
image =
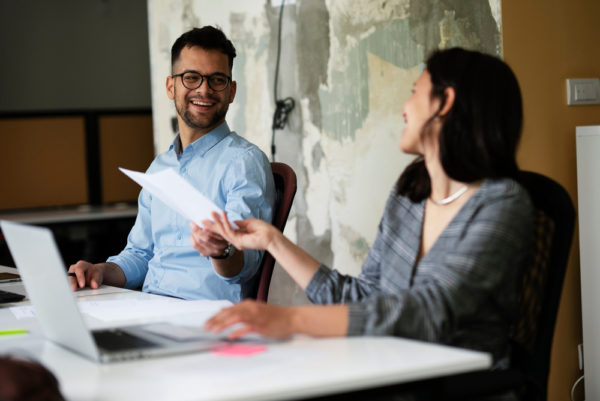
column 450, row 95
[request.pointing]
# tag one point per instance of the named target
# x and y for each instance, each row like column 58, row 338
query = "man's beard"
column 189, row 118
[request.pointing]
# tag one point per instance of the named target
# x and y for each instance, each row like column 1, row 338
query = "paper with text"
column 177, row 193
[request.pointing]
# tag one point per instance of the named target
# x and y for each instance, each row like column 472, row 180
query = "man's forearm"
column 231, row 266
column 112, row 274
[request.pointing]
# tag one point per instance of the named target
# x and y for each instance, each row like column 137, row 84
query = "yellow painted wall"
column 125, row 141
column 43, row 162
column 546, row 42
column 44, row 159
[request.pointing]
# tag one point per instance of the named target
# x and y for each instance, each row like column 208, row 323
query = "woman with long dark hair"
column 454, row 237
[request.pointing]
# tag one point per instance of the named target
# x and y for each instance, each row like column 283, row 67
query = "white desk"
column 302, row 367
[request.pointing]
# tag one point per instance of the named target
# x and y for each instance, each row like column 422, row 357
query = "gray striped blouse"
column 461, row 293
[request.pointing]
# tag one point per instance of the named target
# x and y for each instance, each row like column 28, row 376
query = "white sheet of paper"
column 103, row 289
column 23, row 312
column 19, row 288
column 177, row 193
column 115, row 310
column 119, row 310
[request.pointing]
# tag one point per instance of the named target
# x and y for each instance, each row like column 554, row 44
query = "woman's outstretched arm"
column 257, row 234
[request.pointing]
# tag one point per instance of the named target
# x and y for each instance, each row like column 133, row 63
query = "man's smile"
column 201, row 103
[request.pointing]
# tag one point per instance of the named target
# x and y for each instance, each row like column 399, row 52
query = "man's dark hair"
column 481, row 132
column 208, row 38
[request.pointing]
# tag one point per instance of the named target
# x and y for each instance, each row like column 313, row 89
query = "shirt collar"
column 205, row 142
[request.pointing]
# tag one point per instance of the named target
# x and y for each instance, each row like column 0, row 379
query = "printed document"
column 177, row 193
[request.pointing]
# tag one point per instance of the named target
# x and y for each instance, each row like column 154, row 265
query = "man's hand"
column 206, row 242
column 93, row 275
column 252, row 233
column 210, row 244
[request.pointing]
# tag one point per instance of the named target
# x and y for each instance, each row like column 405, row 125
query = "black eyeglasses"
column 193, row 80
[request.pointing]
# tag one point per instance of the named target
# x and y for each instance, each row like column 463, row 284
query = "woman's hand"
column 252, row 233
column 280, row 321
column 254, row 317
column 256, row 234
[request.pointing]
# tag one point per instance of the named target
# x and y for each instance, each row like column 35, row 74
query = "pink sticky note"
column 239, row 350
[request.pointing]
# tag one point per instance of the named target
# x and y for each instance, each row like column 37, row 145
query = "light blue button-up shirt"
column 236, row 176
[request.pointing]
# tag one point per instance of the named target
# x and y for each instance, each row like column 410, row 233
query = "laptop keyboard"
column 119, row 340
column 6, row 296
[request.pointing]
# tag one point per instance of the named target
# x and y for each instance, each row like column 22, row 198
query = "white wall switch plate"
column 582, row 91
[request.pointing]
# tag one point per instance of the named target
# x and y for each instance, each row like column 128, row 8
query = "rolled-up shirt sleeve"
column 249, row 192
column 133, row 260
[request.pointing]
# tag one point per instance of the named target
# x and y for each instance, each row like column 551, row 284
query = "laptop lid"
column 45, row 278
column 40, row 265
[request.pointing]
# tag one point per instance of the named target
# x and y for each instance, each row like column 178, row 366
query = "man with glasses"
column 226, row 168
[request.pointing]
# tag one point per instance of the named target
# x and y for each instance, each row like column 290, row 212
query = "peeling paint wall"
column 349, row 65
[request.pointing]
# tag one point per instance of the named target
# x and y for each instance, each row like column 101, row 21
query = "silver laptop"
column 45, row 278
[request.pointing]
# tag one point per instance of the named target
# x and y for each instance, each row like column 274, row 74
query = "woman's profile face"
column 418, row 109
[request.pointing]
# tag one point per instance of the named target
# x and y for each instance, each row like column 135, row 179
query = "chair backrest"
column 542, row 282
column 285, row 187
column 539, row 299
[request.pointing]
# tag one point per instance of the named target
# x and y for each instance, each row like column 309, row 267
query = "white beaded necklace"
column 452, row 197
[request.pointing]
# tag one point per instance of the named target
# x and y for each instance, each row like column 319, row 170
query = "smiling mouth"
column 201, row 103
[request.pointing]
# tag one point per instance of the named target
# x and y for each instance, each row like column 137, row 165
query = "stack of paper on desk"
column 177, row 193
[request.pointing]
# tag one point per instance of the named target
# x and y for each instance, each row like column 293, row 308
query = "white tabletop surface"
column 301, row 367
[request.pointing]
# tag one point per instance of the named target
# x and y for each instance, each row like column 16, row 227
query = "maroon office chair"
column 285, row 188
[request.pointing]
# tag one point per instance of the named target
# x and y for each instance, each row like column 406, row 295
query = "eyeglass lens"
column 193, row 80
